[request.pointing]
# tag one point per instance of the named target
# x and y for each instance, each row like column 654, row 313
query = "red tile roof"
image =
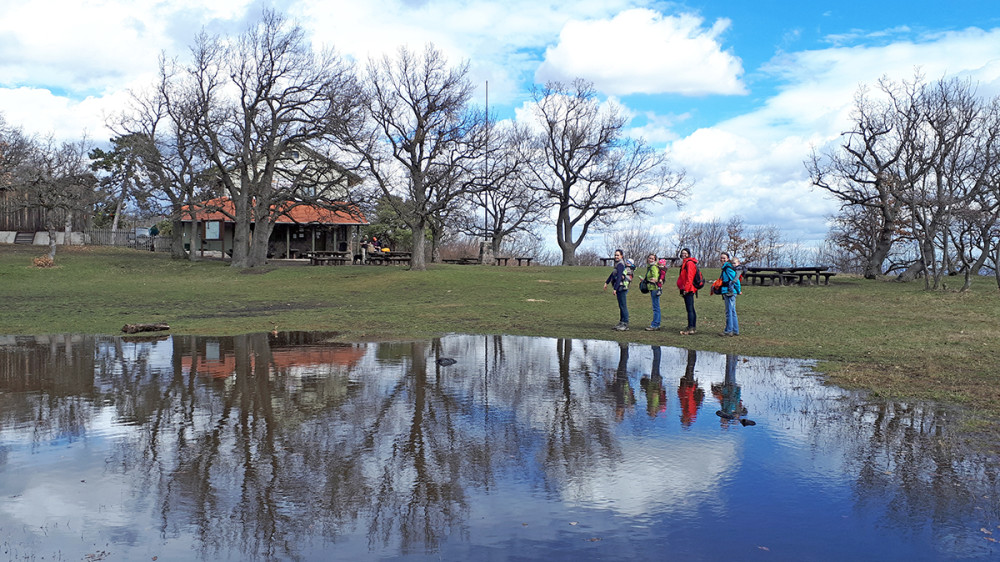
column 281, row 360
column 346, row 213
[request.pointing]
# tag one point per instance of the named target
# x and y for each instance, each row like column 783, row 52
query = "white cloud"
column 753, row 165
column 643, row 51
column 502, row 40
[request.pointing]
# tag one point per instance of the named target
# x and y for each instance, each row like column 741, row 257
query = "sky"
column 737, row 93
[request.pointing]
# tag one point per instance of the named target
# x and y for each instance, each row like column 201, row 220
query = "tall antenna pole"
column 486, row 157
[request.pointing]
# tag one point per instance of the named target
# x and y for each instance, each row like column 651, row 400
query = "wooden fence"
column 123, row 238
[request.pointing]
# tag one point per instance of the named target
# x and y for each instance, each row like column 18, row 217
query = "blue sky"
column 737, row 92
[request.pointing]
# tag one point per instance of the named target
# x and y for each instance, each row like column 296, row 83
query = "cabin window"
column 213, row 230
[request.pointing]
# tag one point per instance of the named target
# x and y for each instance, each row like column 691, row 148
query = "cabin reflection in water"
column 295, row 446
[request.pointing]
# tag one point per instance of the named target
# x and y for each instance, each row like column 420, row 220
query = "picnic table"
column 390, row 258
column 787, row 275
column 327, row 258
column 462, row 261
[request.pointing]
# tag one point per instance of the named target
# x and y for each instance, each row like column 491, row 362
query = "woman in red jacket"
column 685, row 282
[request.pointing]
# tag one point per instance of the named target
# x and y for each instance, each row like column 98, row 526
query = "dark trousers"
column 689, row 305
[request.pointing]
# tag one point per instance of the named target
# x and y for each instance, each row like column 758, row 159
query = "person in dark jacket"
column 619, row 284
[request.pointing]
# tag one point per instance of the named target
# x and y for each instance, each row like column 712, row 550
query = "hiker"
column 621, row 387
column 656, row 395
column 729, row 396
column 685, row 283
column 729, row 288
column 655, row 274
column 619, row 284
column 689, row 392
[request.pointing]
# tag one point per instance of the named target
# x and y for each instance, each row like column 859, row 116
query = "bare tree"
column 588, row 169
column 701, row 238
column 510, row 203
column 636, row 242
column 251, row 105
column 160, row 125
column 15, row 147
column 417, row 138
column 56, row 179
column 875, row 161
column 959, row 144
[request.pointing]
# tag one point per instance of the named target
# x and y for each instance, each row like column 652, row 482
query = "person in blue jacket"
column 619, row 284
column 730, row 288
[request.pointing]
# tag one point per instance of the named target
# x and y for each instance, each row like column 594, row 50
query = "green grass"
column 893, row 339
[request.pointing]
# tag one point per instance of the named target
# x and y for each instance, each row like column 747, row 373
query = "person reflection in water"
column 620, row 386
column 656, row 395
column 728, row 394
column 689, row 392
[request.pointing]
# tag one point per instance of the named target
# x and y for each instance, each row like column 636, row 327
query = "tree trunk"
column 241, row 230
column 487, row 254
column 564, row 237
column 911, row 272
column 52, row 243
column 260, row 244
column 883, row 245
column 195, row 238
column 418, row 262
column 177, row 240
column 68, row 230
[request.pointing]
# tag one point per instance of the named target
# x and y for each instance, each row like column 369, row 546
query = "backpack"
column 699, row 280
column 628, row 273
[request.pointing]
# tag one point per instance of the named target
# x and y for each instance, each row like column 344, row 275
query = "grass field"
column 893, row 339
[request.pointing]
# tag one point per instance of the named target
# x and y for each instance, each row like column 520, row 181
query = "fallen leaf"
column 987, row 531
column 991, row 539
column 593, row 539
column 764, row 548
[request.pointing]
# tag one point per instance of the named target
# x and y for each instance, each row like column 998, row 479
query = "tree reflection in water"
column 286, row 446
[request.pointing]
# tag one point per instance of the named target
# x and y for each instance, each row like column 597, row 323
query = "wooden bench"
column 526, row 260
column 462, row 261
column 759, row 278
column 327, row 260
column 502, row 260
column 24, row 238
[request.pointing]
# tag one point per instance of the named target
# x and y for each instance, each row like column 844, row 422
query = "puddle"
column 293, row 447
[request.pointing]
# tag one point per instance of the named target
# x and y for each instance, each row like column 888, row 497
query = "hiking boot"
column 652, row 328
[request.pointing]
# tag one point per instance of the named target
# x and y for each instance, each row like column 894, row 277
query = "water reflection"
column 290, row 446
